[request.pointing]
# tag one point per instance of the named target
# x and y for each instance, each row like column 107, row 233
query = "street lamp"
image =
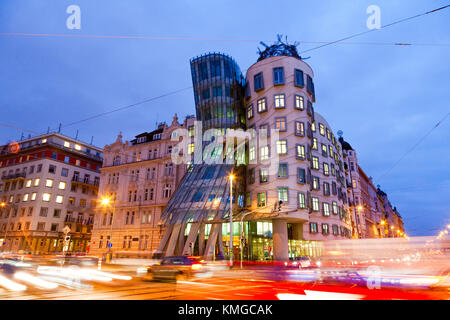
column 231, row 177
column 241, row 231
column 105, row 201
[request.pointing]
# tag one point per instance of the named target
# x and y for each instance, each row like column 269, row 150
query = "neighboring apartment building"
column 48, row 182
column 371, row 212
column 138, row 177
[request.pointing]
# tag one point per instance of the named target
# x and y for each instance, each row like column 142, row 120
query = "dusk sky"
column 384, row 98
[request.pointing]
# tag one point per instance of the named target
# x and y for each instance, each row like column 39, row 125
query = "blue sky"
column 384, row 98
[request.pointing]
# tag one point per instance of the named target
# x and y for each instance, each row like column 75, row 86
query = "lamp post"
column 241, row 232
column 106, row 202
column 231, row 219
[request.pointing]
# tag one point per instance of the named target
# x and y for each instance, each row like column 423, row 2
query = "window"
column 315, row 163
column 278, row 76
column 191, row 131
column 283, row 170
column 167, row 191
column 299, row 102
column 321, row 129
column 215, row 68
column 191, row 148
column 262, row 106
column 299, row 128
column 315, row 146
column 324, row 150
column 299, row 81
column 283, row 194
column 316, row 183
column 57, row 213
column 49, row 183
column 282, row 146
column 264, row 130
column 301, row 175
column 54, row 227
column 25, row 197
column 59, row 199
column 51, row 169
column 264, row 153
column 325, row 228
column 250, row 111
column 46, row 196
column 36, row 182
column 315, row 204
column 251, row 176
column 217, row 91
column 313, row 227
column 335, row 207
column 301, row 200
column 41, row 226
column 39, row 168
column 261, row 199
column 300, row 152
column 278, row 101
column 326, row 209
column 326, row 188
column 258, row 81
column 335, row 230
column 64, row 172
column 263, row 175
column 33, row 196
column 252, row 153
column 28, row 183
column 43, row 212
column 203, row 71
column 280, row 123
column 326, row 169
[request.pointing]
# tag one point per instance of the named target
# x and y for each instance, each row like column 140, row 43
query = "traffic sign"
column 110, row 245
column 66, row 229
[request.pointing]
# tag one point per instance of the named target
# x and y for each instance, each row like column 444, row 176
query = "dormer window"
column 157, row 136
column 141, row 139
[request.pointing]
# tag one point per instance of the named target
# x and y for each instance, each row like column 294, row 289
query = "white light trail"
column 26, row 277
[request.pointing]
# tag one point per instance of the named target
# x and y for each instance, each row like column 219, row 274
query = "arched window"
column 116, row 160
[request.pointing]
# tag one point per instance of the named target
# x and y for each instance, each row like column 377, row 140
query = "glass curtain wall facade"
column 194, row 217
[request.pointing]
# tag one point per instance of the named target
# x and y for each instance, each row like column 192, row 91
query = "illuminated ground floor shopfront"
column 43, row 243
column 257, row 242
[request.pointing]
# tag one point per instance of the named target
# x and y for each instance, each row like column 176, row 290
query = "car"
column 176, row 268
column 299, row 262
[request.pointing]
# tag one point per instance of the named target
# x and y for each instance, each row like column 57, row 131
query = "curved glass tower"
column 195, row 215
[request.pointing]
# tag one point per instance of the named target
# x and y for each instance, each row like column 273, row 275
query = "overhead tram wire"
column 414, row 146
column 125, row 107
column 61, row 35
column 372, row 30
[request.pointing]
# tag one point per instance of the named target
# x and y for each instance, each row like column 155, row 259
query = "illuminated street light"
column 360, row 207
column 105, row 201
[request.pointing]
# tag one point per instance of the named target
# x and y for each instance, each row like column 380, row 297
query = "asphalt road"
column 222, row 285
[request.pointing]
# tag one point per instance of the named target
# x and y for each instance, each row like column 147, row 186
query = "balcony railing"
column 85, row 181
column 14, row 176
column 88, row 221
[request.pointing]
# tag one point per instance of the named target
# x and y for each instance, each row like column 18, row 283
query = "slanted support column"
column 280, row 240
column 180, row 243
column 201, row 239
column 212, row 239
column 192, row 237
column 165, row 239
column 173, row 240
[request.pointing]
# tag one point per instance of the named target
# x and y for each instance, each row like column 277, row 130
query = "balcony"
column 86, row 222
column 85, row 182
column 14, row 176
